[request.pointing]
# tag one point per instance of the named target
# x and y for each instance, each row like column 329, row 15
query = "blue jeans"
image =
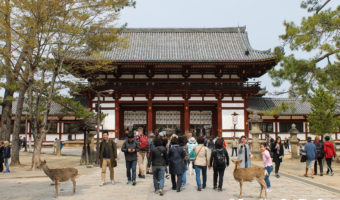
column 269, row 170
column 198, row 175
column 6, row 165
column 158, row 177
column 184, row 177
column 246, row 164
column 131, row 165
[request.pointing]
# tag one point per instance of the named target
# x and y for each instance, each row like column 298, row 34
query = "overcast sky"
column 263, row 19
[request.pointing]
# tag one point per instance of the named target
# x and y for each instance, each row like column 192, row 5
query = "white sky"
column 263, row 19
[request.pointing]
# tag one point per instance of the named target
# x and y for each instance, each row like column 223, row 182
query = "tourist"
column 329, row 151
column 24, row 144
column 143, row 143
column 267, row 161
column 244, row 153
column 319, row 155
column 176, row 164
column 1, row 156
column 182, row 140
column 201, row 162
column 152, row 137
column 211, row 144
column 310, row 151
column 219, row 161
column 55, row 145
column 130, row 149
column 234, row 147
column 278, row 153
column 159, row 161
column 108, row 157
column 190, row 145
column 7, row 155
column 20, row 143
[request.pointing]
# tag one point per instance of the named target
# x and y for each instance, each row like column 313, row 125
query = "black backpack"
column 319, row 149
column 220, row 158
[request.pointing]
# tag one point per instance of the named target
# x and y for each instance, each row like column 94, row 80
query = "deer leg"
column 241, row 183
column 74, row 185
column 263, row 186
column 56, row 188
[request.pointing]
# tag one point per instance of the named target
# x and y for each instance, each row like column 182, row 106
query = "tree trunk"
column 37, row 150
column 17, row 122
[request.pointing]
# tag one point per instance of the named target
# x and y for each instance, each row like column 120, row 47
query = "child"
column 267, row 160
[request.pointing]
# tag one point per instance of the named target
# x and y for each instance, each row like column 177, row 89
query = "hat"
column 162, row 134
column 152, row 135
column 131, row 135
column 192, row 140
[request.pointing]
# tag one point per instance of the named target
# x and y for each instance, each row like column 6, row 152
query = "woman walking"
column 219, row 160
column 183, row 143
column 200, row 163
column 267, row 161
column 278, row 153
column 190, row 145
column 158, row 160
column 176, row 164
column 329, row 151
column 319, row 156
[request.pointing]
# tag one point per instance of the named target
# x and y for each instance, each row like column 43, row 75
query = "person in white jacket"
column 190, row 145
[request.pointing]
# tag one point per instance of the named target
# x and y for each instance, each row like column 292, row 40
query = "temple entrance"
column 201, row 123
column 168, row 121
column 133, row 120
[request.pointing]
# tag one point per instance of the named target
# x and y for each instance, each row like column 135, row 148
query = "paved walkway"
column 89, row 179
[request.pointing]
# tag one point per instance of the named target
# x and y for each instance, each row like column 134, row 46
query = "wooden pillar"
column 60, row 131
column 150, row 117
column 276, row 123
column 186, row 117
column 306, row 130
column 246, row 127
column 219, row 118
column 117, row 119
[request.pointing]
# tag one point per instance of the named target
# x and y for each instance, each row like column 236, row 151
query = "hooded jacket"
column 191, row 144
column 329, row 150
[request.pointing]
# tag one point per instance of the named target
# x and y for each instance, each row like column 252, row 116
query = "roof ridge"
column 242, row 29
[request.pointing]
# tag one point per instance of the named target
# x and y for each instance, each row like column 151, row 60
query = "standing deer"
column 249, row 174
column 60, row 175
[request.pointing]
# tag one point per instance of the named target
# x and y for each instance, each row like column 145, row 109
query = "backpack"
column 192, row 155
column 143, row 142
column 319, row 149
column 220, row 158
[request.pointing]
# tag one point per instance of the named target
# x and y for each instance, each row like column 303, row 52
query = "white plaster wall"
column 107, row 105
column 227, row 119
column 232, row 105
column 110, row 120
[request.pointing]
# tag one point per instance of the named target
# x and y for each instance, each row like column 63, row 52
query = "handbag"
column 193, row 163
column 303, row 157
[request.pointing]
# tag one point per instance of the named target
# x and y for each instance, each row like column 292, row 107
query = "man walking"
column 108, row 157
column 143, row 143
column 130, row 149
column 310, row 151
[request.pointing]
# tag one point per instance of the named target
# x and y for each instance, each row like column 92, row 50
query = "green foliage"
column 316, row 35
column 283, row 107
column 323, row 119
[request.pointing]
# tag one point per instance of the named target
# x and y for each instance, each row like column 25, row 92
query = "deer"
column 60, row 175
column 249, row 174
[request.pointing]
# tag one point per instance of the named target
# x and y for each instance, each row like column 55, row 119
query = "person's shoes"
column 134, row 183
column 219, row 189
column 178, row 190
column 102, row 183
column 199, row 189
column 142, row 176
column 277, row 176
column 139, row 175
column 269, row 190
column 332, row 174
column 161, row 192
column 215, row 187
column 173, row 188
column 321, row 174
column 112, row 182
column 204, row 186
column 156, row 191
column 128, row 182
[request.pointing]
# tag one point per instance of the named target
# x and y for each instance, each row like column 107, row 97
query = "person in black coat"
column 130, row 149
column 7, row 155
column 2, row 156
column 278, row 153
column 158, row 160
column 176, row 164
column 219, row 160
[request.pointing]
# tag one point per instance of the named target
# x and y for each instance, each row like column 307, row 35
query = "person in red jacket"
column 329, row 151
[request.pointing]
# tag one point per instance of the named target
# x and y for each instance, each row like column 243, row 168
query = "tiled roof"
column 56, row 109
column 183, row 44
column 260, row 104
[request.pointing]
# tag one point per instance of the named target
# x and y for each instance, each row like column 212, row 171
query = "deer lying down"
column 249, row 174
column 60, row 175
